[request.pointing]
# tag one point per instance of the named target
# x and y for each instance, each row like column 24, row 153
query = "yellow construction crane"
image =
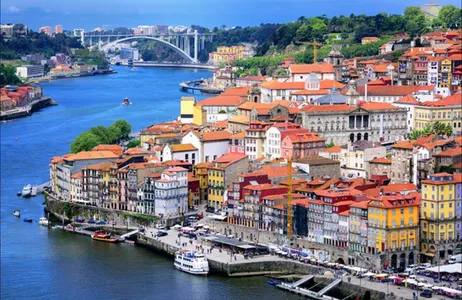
column 289, row 199
column 315, row 45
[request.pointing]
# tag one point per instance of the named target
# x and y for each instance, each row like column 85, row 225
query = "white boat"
column 27, row 191
column 43, row 221
column 17, row 213
column 191, row 262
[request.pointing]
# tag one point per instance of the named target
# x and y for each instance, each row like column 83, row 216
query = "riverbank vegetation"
column 90, row 57
column 100, row 135
column 34, row 42
column 8, row 75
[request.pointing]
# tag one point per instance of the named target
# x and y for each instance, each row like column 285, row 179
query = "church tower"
column 254, row 94
column 336, row 58
column 352, row 95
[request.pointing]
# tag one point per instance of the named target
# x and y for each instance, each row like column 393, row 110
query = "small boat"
column 130, row 242
column 27, row 191
column 17, row 213
column 57, row 227
column 43, row 221
column 79, row 220
column 133, row 69
column 19, row 193
column 191, row 262
column 104, row 237
column 273, row 282
column 126, row 101
column 28, row 220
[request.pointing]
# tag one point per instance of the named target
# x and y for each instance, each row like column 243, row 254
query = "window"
column 402, row 211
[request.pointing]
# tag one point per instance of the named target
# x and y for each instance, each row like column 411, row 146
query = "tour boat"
column 43, row 221
column 27, row 191
column 191, row 262
column 104, row 237
column 17, row 213
column 126, row 101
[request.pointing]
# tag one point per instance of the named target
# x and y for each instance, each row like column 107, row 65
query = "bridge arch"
column 139, row 37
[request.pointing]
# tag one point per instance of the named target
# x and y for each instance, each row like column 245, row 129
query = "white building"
column 30, row 71
column 75, row 192
column 390, row 93
column 184, row 152
column 433, row 68
column 210, row 144
column 408, row 102
column 220, row 108
column 275, row 134
column 354, row 157
column 299, row 73
column 171, row 193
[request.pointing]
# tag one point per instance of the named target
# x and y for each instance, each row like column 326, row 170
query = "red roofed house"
column 217, row 108
column 299, row 73
column 300, row 145
column 210, row 144
column 276, row 133
column 171, row 197
column 369, row 39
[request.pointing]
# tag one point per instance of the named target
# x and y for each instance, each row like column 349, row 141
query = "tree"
column 451, row 16
column 133, row 143
column 8, row 76
column 85, row 142
column 415, row 20
column 105, row 135
column 124, row 127
column 303, row 33
column 330, row 145
column 319, row 28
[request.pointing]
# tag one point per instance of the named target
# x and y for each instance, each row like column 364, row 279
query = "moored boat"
column 28, row 220
column 27, row 191
column 43, row 221
column 273, row 282
column 191, row 262
column 104, row 237
column 17, row 213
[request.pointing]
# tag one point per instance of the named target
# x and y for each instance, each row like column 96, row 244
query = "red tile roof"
column 210, row 136
column 450, row 152
column 381, row 160
column 311, row 68
column 221, row 101
column 393, row 90
column 408, row 100
column 277, row 85
column 238, row 91
column 404, row 145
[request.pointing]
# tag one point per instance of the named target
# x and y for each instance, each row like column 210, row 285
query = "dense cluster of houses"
column 358, row 181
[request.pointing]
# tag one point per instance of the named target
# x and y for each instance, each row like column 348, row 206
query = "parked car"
column 161, row 233
column 200, row 216
column 192, row 219
column 91, row 221
column 101, row 223
column 186, row 223
column 426, row 265
column 426, row 294
column 160, row 227
column 210, row 209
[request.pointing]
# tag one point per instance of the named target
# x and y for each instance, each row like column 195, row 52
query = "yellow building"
column 201, row 171
column 393, row 228
column 444, row 76
column 438, row 216
column 192, row 113
column 447, row 111
column 227, row 54
column 216, row 185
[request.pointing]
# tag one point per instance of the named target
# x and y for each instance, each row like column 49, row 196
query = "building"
column 300, row 72
column 218, row 108
column 358, row 228
column 221, row 175
column 62, row 70
column 369, row 39
column 30, row 71
column 47, row 30
column 63, row 168
column 301, row 145
column 371, row 121
column 226, row 55
column 129, row 54
column 356, row 156
column 9, row 30
column 100, row 186
column 237, row 143
column 317, row 166
column 276, row 134
column 171, row 193
column 255, row 139
column 210, row 144
column 184, row 152
column 59, row 29
column 75, row 189
column 446, row 111
column 440, row 216
column 379, row 170
column 393, row 228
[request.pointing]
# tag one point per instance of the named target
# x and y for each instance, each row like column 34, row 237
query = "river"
column 38, row 263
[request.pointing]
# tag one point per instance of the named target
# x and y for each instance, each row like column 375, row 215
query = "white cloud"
column 13, row 9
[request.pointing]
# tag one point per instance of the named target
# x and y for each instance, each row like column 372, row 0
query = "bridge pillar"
column 177, row 41
column 202, row 43
column 82, row 37
column 91, row 40
column 187, row 45
column 195, row 46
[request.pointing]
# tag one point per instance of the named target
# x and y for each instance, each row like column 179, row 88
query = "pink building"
column 47, row 30
column 301, row 145
column 237, row 143
column 58, row 29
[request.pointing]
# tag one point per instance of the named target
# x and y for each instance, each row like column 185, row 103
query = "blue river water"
column 38, row 263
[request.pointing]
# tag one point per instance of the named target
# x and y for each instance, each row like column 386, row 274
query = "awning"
column 428, row 254
column 221, row 218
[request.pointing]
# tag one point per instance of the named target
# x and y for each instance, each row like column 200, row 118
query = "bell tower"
column 254, row 94
column 352, row 93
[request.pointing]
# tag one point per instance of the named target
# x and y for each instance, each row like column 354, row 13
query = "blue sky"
column 89, row 14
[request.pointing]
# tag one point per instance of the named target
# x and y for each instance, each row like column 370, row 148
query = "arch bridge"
column 187, row 45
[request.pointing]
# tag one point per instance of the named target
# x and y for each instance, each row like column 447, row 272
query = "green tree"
column 415, row 20
column 124, row 127
column 115, row 131
column 105, row 135
column 451, row 16
column 133, row 143
column 303, row 33
column 330, row 145
column 8, row 75
column 85, row 142
column 319, row 28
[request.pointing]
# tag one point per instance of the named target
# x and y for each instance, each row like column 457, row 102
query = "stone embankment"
column 27, row 110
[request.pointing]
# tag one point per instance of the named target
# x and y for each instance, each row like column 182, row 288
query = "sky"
column 88, row 14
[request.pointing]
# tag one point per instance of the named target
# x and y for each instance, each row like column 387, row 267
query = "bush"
column 133, row 143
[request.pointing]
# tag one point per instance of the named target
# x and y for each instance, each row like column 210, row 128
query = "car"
column 161, row 233
column 160, row 226
column 210, row 209
column 101, row 223
column 426, row 265
column 192, row 219
column 426, row 294
column 91, row 221
column 186, row 223
column 200, row 216
column 140, row 229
